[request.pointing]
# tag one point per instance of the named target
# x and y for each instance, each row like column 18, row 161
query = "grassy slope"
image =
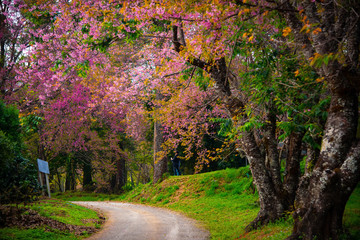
column 59, row 210
column 223, row 201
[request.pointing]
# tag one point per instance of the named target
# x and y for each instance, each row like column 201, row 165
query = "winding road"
column 138, row 222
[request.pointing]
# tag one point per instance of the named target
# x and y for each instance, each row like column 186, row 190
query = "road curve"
column 138, row 222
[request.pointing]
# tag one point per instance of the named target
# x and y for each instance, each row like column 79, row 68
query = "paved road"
column 138, row 222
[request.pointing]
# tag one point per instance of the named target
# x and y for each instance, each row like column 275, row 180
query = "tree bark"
column 70, row 181
column 323, row 194
column 311, row 158
column 272, row 205
column 324, row 191
column 292, row 167
column 119, row 179
column 144, row 173
column 160, row 162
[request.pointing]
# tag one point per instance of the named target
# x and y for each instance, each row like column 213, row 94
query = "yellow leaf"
column 316, row 31
column 296, row 73
column 286, row 31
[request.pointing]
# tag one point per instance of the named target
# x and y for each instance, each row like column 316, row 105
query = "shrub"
column 18, row 177
column 18, row 181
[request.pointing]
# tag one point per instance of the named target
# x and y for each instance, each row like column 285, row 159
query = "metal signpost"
column 44, row 168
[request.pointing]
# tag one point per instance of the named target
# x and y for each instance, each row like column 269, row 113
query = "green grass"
column 84, row 196
column 224, row 202
column 65, row 212
column 352, row 214
column 56, row 209
column 28, row 234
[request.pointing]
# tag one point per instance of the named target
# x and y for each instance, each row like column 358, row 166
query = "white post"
column 47, row 184
column 40, row 179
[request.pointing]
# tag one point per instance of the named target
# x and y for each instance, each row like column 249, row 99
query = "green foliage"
column 200, row 80
column 82, row 68
column 30, row 123
column 225, row 125
column 38, row 17
column 18, row 177
column 130, row 30
column 10, row 123
column 6, row 150
column 160, row 25
column 18, row 181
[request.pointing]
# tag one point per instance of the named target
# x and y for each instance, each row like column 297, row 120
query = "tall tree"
column 326, row 34
column 329, row 33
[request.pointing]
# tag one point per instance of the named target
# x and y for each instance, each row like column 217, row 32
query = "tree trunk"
column 61, row 188
column 144, row 173
column 119, row 179
column 70, row 181
column 323, row 194
column 311, row 158
column 272, row 205
column 292, row 168
column 87, row 174
column 321, row 216
column 160, row 162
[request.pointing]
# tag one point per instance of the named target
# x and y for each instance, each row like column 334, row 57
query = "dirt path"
column 134, row 222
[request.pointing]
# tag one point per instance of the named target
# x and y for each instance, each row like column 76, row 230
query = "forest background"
column 107, row 91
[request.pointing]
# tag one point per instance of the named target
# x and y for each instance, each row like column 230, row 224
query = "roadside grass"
column 58, row 210
column 65, row 212
column 224, row 202
column 84, row 196
column 38, row 233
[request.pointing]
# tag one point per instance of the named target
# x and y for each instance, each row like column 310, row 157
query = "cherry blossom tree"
column 203, row 33
column 283, row 72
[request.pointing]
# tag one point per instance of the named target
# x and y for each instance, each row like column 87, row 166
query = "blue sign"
column 43, row 166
